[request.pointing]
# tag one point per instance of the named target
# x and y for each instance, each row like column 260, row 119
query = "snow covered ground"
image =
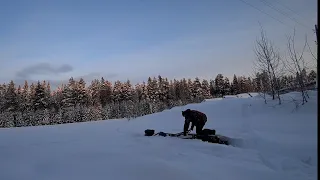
column 272, row 142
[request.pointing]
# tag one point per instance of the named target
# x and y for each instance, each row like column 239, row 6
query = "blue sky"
column 135, row 39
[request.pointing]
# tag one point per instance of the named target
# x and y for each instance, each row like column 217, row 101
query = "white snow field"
column 272, row 143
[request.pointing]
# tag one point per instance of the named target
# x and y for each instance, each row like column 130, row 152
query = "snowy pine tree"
column 39, row 99
column 205, row 88
column 10, row 98
column 212, row 88
column 227, row 86
column 235, row 84
column 127, row 103
column 163, row 92
column 105, row 92
column 219, row 85
column 26, row 98
column 69, row 94
column 143, row 105
column 2, row 97
column 82, row 94
column 94, row 92
column 196, row 91
column 187, row 90
column 117, row 91
column 172, row 99
column 153, row 94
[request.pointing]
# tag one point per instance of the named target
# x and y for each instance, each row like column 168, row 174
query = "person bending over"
column 196, row 118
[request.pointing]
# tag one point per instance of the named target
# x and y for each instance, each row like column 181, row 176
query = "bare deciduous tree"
column 295, row 65
column 269, row 62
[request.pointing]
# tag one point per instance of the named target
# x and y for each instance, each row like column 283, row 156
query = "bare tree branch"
column 296, row 64
column 269, row 63
column 313, row 56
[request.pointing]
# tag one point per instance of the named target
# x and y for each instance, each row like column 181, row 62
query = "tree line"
column 37, row 104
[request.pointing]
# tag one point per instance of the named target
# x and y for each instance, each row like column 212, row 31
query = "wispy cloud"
column 43, row 69
column 56, row 83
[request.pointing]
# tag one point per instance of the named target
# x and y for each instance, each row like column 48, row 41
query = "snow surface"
column 271, row 142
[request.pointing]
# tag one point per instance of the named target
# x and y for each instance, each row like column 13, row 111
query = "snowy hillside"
column 272, row 143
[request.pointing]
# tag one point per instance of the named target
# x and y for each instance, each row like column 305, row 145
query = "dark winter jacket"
column 194, row 117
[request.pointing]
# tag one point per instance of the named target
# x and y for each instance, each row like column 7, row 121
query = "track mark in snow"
column 39, row 144
column 308, row 161
column 267, row 163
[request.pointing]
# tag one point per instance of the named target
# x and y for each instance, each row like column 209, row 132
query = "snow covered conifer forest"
column 76, row 101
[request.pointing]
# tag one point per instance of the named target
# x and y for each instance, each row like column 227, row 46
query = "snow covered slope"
column 273, row 142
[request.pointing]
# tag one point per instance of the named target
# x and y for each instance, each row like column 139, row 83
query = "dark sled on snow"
column 207, row 135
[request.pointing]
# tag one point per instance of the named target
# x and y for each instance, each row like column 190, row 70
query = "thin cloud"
column 43, row 69
column 56, row 83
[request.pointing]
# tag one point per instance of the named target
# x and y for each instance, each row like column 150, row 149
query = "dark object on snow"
column 209, row 137
column 196, row 118
column 208, row 132
column 162, row 134
column 168, row 134
column 149, row 132
column 217, row 139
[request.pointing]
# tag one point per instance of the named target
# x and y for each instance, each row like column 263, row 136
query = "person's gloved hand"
column 187, row 132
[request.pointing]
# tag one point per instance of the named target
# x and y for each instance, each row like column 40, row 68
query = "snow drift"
column 272, row 142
